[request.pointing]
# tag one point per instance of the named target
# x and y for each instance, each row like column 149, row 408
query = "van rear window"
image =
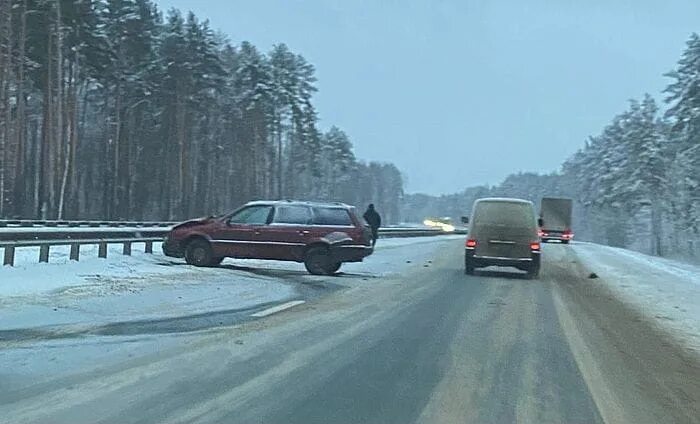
column 504, row 213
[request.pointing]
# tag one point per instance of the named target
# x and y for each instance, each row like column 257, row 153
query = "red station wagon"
column 321, row 235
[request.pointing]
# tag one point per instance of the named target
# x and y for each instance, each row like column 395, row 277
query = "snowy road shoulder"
column 152, row 287
column 666, row 291
column 65, row 317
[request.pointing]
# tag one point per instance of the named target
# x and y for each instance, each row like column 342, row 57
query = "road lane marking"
column 609, row 406
column 278, row 308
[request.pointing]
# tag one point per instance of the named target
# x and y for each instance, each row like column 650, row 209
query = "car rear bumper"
column 477, row 261
column 173, row 248
column 351, row 253
column 556, row 235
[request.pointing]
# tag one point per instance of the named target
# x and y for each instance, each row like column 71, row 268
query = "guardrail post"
column 9, row 258
column 102, row 249
column 75, row 252
column 149, row 247
column 44, row 252
column 127, row 248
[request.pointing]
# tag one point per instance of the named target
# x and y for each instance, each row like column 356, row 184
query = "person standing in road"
column 374, row 220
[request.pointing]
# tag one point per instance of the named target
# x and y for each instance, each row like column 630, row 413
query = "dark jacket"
column 372, row 218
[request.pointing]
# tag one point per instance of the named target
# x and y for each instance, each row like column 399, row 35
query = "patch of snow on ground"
column 665, row 290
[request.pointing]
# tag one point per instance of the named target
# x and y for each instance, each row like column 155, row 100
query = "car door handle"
column 257, row 232
column 304, row 232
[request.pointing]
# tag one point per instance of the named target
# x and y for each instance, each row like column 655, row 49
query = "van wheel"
column 318, row 262
column 533, row 272
column 198, row 253
column 468, row 267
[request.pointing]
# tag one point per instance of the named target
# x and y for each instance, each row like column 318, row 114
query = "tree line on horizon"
column 110, row 109
column 636, row 184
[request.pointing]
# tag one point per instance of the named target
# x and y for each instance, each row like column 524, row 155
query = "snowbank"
column 665, row 290
column 123, row 288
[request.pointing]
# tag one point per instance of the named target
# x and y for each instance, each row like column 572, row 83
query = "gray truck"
column 555, row 219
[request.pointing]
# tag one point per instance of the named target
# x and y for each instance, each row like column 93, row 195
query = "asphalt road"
column 431, row 345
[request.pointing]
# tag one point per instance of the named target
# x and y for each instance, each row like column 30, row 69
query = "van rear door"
column 504, row 229
column 501, row 241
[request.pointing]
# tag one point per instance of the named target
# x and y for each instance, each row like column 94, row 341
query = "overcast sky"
column 464, row 92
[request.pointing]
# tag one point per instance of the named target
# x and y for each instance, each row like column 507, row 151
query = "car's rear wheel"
column 565, row 241
column 198, row 253
column 318, row 261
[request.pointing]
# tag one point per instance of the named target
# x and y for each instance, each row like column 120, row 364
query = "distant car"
column 555, row 219
column 502, row 232
column 321, row 235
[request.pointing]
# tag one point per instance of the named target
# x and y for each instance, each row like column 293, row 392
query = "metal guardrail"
column 76, row 237
column 106, row 233
column 45, row 245
column 64, row 223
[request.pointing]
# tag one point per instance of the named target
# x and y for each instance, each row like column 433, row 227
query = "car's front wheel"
column 334, row 267
column 318, row 262
column 198, row 253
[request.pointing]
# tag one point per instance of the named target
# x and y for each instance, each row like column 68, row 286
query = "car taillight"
column 535, row 246
column 567, row 234
column 540, row 233
column 471, row 244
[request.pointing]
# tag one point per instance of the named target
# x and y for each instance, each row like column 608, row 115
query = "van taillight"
column 471, row 243
column 535, row 246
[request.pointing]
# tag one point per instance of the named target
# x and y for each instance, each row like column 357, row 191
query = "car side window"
column 252, row 215
column 332, row 216
column 292, row 215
